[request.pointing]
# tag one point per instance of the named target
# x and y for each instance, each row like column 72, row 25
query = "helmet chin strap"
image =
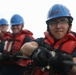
column 19, row 31
column 69, row 29
column 66, row 32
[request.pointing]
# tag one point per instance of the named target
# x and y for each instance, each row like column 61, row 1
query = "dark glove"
column 58, row 65
column 41, row 56
column 15, row 56
column 5, row 57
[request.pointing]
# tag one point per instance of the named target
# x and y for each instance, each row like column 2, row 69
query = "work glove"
column 58, row 64
column 41, row 56
column 4, row 56
column 15, row 56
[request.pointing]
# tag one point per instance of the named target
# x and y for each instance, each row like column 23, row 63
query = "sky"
column 34, row 13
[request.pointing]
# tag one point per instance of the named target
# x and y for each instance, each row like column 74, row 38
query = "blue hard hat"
column 57, row 11
column 16, row 19
column 3, row 21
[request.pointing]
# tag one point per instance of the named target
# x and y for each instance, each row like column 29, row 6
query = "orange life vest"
column 68, row 42
column 13, row 44
column 5, row 35
column 68, row 45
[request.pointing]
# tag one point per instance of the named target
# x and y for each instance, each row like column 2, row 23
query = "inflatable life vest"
column 4, row 35
column 13, row 44
column 68, row 40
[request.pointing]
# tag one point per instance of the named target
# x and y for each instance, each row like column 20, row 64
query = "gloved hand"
column 41, row 56
column 58, row 65
column 15, row 58
column 5, row 57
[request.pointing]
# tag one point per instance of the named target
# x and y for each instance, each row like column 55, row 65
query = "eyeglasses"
column 61, row 22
